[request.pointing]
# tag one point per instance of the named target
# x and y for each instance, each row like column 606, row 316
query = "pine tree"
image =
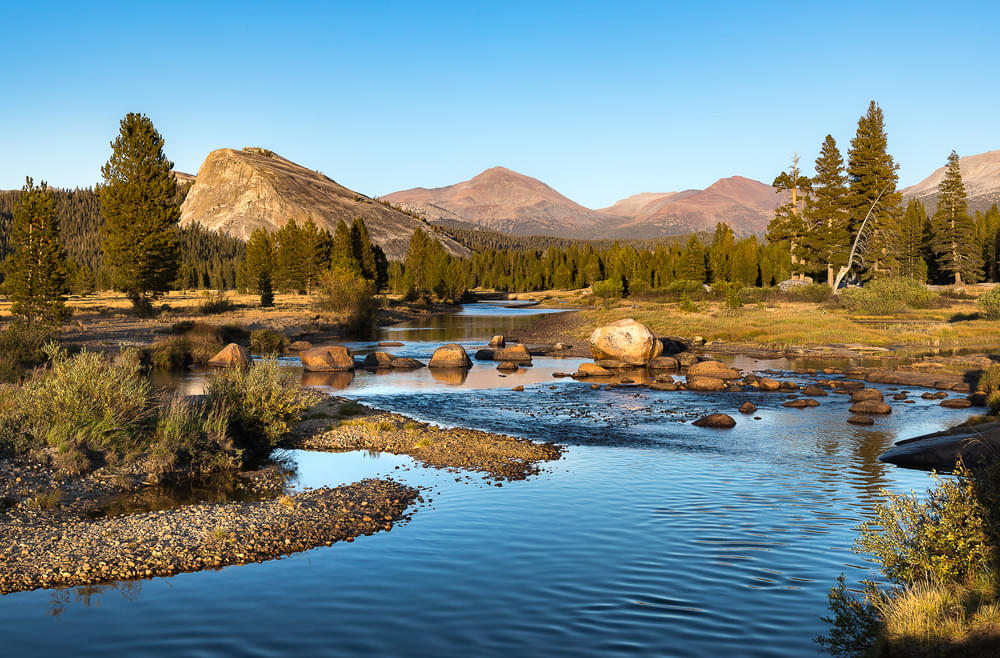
column 137, row 200
column 35, row 271
column 788, row 225
column 872, row 177
column 828, row 238
column 342, row 251
column 988, row 235
column 693, row 265
column 363, row 249
column 259, row 265
column 720, row 253
column 912, row 242
column 952, row 230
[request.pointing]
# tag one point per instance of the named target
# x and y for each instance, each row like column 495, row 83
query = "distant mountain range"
column 503, row 200
column 238, row 191
column 981, row 175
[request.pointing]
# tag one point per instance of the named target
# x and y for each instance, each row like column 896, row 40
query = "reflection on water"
column 337, row 381
column 650, row 536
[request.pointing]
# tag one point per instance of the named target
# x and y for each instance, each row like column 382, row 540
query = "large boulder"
column 715, row 369
column 516, row 352
column 231, row 355
column 332, row 358
column 450, row 356
column 628, row 341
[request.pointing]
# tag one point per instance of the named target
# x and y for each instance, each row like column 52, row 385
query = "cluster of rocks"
column 623, row 346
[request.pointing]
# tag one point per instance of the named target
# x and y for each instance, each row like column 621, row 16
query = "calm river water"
column 649, row 537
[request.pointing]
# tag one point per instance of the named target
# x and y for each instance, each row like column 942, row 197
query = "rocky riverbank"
column 39, row 549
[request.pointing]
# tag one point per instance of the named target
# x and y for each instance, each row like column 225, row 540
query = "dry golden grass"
column 785, row 324
column 935, row 619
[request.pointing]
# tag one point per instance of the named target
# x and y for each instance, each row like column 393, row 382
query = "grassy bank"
column 784, row 324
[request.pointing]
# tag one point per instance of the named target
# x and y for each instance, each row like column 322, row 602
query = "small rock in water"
column 517, row 388
column 747, row 408
column 956, row 403
column 718, row 421
column 801, row 403
column 861, row 420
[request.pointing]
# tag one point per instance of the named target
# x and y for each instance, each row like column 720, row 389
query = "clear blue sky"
column 599, row 100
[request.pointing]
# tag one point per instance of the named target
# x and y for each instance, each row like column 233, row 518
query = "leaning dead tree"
column 860, row 244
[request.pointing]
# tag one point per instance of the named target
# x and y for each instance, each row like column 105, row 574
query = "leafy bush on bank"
column 989, row 302
column 887, row 295
column 942, row 554
column 86, row 410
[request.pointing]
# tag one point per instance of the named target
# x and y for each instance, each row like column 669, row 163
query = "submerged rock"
column 861, row 420
column 870, row 407
column 867, row 394
column 592, row 370
column 705, row 384
column 627, row 340
column 801, row 403
column 406, row 363
column 715, row 369
column 718, row 421
column 956, row 403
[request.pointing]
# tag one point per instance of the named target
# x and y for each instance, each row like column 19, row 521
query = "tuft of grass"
column 48, row 499
column 215, row 302
column 350, row 408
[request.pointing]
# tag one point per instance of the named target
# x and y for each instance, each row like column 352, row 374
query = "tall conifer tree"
column 36, row 268
column 788, row 225
column 828, row 239
column 138, row 203
column 952, row 231
column 872, row 176
column 259, row 265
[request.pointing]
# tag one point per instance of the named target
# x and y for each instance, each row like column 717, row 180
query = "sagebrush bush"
column 86, row 400
column 349, row 299
column 267, row 341
column 887, row 295
column 263, row 403
column 193, row 433
column 989, row 303
column 21, row 348
column 810, row 292
column 214, row 302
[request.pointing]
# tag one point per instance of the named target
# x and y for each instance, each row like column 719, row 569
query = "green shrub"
column 810, row 292
column 267, row 341
column 989, row 302
column 262, row 403
column 608, row 289
column 887, row 295
column 348, row 298
column 688, row 306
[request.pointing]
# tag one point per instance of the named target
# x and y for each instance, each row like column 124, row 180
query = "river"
column 650, row 536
